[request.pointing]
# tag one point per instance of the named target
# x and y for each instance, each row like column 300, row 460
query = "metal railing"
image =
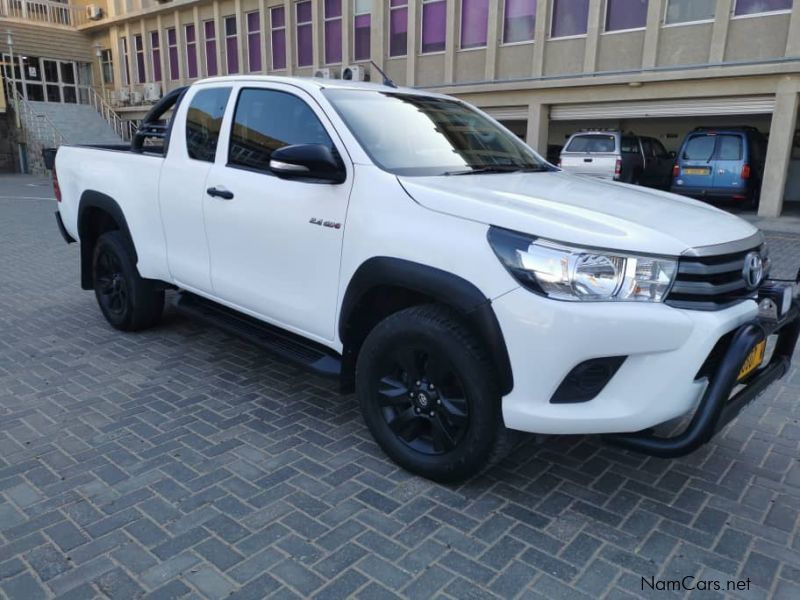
column 44, row 11
column 123, row 128
column 37, row 130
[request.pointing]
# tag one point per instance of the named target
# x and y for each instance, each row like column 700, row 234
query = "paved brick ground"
column 181, row 462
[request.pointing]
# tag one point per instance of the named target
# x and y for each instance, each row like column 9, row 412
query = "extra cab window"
column 266, row 120
column 204, row 122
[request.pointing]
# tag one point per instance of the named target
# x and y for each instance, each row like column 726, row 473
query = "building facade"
column 545, row 68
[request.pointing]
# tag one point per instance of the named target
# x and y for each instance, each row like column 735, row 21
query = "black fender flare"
column 91, row 199
column 442, row 286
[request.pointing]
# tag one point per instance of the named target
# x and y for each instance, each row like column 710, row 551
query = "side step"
column 279, row 342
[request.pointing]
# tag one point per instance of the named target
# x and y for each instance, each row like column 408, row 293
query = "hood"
column 580, row 210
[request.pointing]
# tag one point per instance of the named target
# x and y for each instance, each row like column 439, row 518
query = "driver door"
column 275, row 244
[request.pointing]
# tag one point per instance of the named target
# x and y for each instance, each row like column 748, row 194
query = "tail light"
column 676, row 170
column 56, row 187
column 746, row 172
column 559, row 162
column 618, row 168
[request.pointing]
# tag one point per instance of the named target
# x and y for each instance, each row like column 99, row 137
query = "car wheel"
column 429, row 394
column 128, row 302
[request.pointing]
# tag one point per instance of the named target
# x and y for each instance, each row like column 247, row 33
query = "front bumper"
column 722, row 402
column 658, row 382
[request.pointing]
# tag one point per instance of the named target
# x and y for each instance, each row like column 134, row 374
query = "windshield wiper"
column 499, row 169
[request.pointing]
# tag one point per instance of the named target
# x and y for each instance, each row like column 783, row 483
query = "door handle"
column 587, row 160
column 220, row 192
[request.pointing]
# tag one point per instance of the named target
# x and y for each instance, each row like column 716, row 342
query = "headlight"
column 579, row 274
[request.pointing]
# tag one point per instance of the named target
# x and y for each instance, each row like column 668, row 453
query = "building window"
column 570, row 17
column 333, row 32
column 254, row 41
column 210, row 34
column 138, row 46
column 398, row 27
column 191, row 51
column 204, row 122
column 474, row 21
column 277, row 18
column 305, row 34
column 107, row 63
column 266, row 120
column 434, row 25
column 126, row 66
column 752, row 7
column 687, row 11
column 626, row 14
column 519, row 21
column 231, row 46
column 172, row 54
column 155, row 55
column 362, row 25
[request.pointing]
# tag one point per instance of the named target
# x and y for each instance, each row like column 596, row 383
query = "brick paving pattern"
column 181, row 462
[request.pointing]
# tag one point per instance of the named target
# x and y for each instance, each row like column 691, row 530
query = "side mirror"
column 307, row 161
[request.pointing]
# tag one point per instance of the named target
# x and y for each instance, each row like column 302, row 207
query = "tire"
column 452, row 427
column 128, row 302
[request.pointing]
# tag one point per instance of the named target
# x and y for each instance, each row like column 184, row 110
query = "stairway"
column 77, row 123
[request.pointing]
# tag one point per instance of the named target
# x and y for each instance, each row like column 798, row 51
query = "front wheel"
column 128, row 302
column 429, row 394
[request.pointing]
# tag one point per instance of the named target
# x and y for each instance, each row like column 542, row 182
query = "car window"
column 592, row 143
column 204, row 122
column 647, row 148
column 729, row 147
column 629, row 145
column 699, row 147
column 266, row 120
column 658, row 148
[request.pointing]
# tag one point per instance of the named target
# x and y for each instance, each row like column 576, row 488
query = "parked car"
column 721, row 164
column 405, row 243
column 618, row 156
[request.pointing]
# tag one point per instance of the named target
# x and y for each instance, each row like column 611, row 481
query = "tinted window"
column 658, row 148
column 417, row 135
column 629, row 145
column 592, row 143
column 266, row 120
column 204, row 121
column 729, row 147
column 648, row 148
column 699, row 147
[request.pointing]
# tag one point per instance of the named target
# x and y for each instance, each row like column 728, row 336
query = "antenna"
column 386, row 79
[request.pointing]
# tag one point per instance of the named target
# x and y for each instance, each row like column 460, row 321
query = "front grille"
column 713, row 282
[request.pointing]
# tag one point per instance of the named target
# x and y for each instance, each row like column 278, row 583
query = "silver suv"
column 611, row 154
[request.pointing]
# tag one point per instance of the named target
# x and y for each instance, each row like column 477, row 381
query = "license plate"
column 696, row 171
column 753, row 360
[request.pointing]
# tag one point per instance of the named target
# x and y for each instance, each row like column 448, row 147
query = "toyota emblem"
column 753, row 270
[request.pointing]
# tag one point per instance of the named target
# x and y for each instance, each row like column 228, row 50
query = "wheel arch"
column 97, row 214
column 384, row 285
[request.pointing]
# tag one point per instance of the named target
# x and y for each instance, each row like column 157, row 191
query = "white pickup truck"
column 408, row 244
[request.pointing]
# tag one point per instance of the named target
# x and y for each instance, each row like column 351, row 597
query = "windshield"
column 408, row 134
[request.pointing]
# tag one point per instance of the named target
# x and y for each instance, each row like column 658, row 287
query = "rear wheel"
column 128, row 302
column 429, row 395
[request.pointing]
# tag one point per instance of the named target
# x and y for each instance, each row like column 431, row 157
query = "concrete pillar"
column 451, row 43
column 219, row 33
column 266, row 47
column 538, row 127
column 593, row 28
column 289, row 20
column 655, row 14
column 793, row 42
column 719, row 34
column 493, row 39
column 241, row 36
column 376, row 37
column 541, row 35
column 412, row 43
column 779, row 150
